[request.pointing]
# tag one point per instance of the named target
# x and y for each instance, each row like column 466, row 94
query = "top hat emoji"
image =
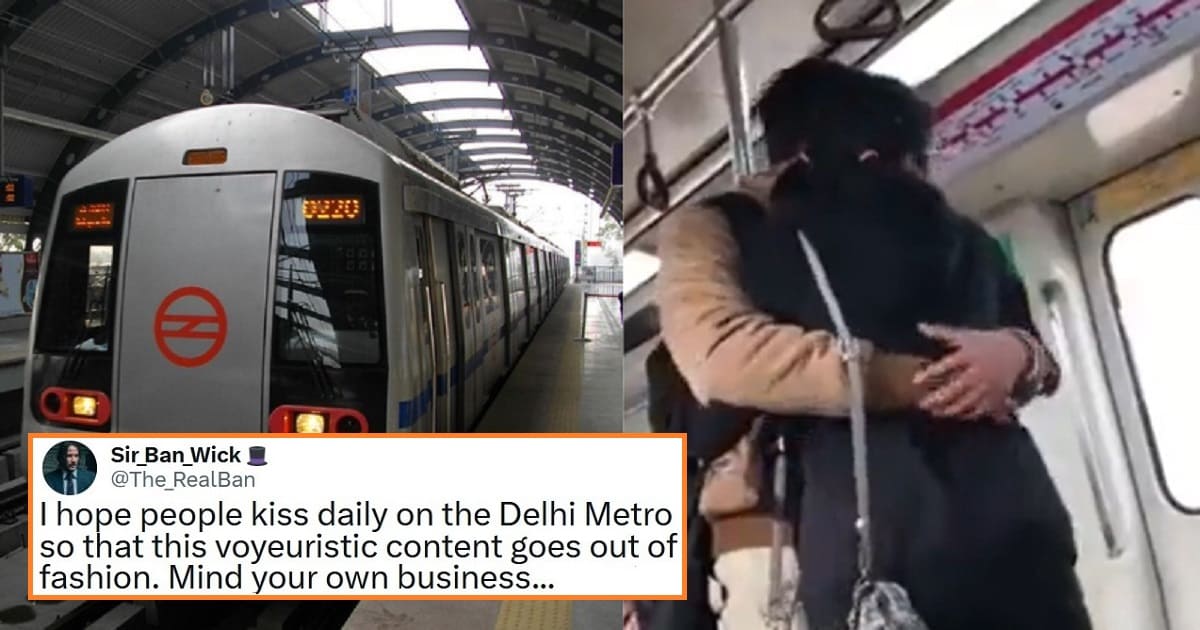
column 258, row 455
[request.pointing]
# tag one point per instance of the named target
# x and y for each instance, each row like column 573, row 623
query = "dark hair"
column 62, row 453
column 833, row 111
column 887, row 236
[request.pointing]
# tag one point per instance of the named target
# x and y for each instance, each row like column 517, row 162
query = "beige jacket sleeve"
column 728, row 351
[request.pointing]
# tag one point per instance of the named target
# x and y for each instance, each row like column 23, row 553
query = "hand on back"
column 974, row 380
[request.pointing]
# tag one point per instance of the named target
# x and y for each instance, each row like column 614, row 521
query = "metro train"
column 1071, row 129
column 249, row 268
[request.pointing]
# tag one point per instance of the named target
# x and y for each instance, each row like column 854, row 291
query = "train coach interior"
column 1072, row 129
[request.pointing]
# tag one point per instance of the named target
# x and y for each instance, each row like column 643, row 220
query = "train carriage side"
column 476, row 297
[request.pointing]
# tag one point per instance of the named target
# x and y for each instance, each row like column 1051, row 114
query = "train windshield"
column 327, row 281
column 81, row 271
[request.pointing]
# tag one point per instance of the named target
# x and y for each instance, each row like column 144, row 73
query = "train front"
column 199, row 277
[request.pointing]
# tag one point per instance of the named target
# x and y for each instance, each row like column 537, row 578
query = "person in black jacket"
column 816, row 110
column 965, row 514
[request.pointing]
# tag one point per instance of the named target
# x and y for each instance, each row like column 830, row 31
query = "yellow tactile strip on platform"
column 561, row 415
column 564, row 410
column 534, row 615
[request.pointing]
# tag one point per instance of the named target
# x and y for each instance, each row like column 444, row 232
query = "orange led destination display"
column 93, row 216
column 205, row 157
column 333, row 209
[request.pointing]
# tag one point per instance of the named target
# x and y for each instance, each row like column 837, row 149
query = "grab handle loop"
column 651, row 185
column 844, row 34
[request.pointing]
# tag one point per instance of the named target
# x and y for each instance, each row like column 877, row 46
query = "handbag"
column 733, row 481
column 876, row 604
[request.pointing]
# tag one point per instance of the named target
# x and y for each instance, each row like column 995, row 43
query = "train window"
column 419, row 237
column 514, row 268
column 466, row 270
column 81, row 269
column 1153, row 263
column 491, row 277
column 475, row 282
column 328, row 305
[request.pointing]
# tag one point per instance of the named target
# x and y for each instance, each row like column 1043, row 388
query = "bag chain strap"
column 779, row 608
column 852, row 356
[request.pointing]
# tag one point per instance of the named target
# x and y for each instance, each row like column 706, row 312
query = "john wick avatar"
column 70, row 477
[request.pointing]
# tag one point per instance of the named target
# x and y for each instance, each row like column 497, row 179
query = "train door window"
column 81, row 271
column 464, row 270
column 491, row 272
column 514, row 267
column 328, row 285
column 475, row 277
column 1152, row 262
column 422, row 271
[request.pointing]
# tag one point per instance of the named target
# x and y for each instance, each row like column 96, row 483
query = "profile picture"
column 69, row 467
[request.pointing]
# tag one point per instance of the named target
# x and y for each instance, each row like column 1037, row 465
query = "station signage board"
column 16, row 191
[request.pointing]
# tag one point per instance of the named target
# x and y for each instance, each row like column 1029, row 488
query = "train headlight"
column 81, row 407
column 310, row 423
column 84, row 406
column 315, row 420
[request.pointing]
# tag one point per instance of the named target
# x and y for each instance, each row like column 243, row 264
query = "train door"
column 1137, row 240
column 547, row 292
column 516, row 300
column 527, row 324
column 447, row 330
column 540, row 283
column 476, row 369
column 506, row 302
column 1077, row 431
column 493, row 313
column 429, row 321
column 535, row 296
column 464, row 313
column 193, row 334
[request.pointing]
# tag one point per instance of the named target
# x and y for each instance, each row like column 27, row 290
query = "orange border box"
column 405, row 436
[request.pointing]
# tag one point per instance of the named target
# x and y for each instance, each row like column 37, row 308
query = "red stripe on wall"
column 1047, row 41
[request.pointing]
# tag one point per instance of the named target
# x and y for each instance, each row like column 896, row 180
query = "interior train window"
column 81, row 272
column 1153, row 263
column 328, row 284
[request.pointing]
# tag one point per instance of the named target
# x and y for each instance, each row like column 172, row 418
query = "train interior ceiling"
column 1070, row 129
column 1136, row 118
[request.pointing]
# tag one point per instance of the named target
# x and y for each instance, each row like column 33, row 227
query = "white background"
column 390, row 472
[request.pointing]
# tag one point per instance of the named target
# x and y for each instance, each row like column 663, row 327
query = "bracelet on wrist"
column 1029, row 384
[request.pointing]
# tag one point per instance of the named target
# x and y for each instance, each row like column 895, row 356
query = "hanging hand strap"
column 651, row 185
column 858, row 417
column 862, row 32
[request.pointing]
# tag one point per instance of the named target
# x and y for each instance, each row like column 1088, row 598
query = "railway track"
column 17, row 613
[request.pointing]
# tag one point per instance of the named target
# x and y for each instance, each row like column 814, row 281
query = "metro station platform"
column 560, row 384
